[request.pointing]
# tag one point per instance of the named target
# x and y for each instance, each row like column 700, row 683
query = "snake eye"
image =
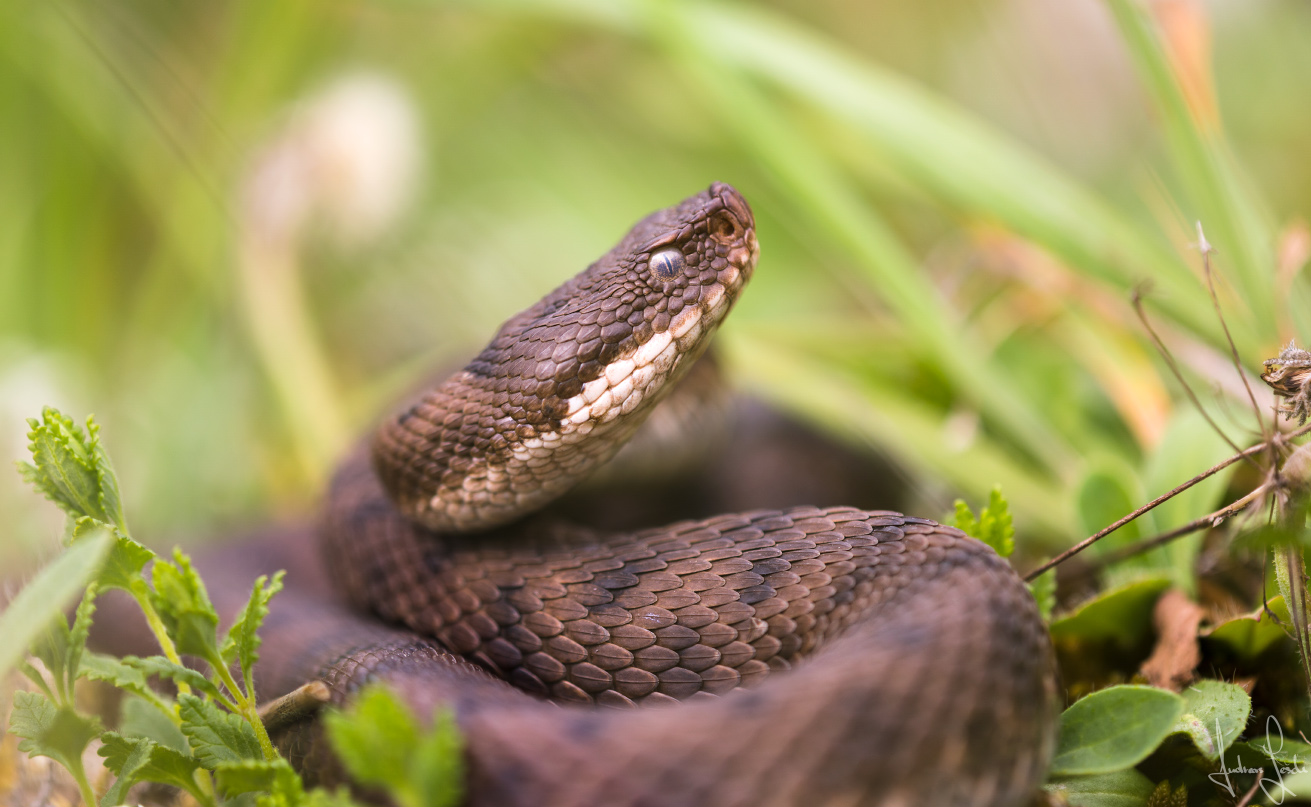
column 667, row 264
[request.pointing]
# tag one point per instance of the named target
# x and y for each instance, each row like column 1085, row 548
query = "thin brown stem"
column 1207, row 249
column 1154, row 503
column 1251, row 793
column 1179, row 376
column 1205, row 522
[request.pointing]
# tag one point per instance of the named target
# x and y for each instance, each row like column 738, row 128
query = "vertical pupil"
column 667, row 263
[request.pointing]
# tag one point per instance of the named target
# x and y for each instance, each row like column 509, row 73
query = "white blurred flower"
column 349, row 155
column 346, row 160
column 29, row 382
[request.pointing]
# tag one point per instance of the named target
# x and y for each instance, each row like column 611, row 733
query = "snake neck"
column 564, row 383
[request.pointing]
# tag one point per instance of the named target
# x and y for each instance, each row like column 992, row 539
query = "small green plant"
column 380, row 743
column 209, row 740
column 994, row 527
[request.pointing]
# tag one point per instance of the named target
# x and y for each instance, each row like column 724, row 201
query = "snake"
column 822, row 655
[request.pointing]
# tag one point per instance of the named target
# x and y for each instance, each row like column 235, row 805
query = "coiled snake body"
column 932, row 680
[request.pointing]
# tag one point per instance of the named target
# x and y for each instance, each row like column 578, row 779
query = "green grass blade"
column 48, row 594
column 1204, row 167
column 945, row 150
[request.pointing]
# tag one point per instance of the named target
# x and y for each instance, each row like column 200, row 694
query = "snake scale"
column 822, row 655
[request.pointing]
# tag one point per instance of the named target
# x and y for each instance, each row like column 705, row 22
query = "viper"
column 822, row 655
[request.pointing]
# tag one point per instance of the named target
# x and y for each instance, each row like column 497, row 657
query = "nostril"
column 724, row 227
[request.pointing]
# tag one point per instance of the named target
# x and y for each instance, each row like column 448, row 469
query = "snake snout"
column 735, row 226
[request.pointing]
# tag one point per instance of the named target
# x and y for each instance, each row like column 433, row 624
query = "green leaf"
column 243, row 642
column 77, row 637
column 66, row 467
column 993, row 526
column 1289, row 786
column 1113, row 729
column 379, row 743
column 373, row 736
column 100, row 667
column 163, row 765
column 44, row 598
column 158, row 665
column 438, row 766
column 52, row 649
column 51, row 731
column 126, row 559
column 1250, row 634
column 963, row 519
column 1121, row 615
column 1189, row 445
column 124, row 564
column 185, row 609
column 1123, row 788
column 256, row 775
column 1043, row 589
column 1214, row 715
column 140, row 717
column 1107, row 491
column 1273, row 747
column 126, row 770
column 216, row 736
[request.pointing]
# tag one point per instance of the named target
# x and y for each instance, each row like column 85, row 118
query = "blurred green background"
column 236, row 230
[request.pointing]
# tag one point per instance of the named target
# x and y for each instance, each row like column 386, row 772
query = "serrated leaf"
column 438, row 766
column 994, row 526
column 52, row 649
column 963, row 519
column 100, row 667
column 64, row 465
column 111, row 501
column 79, row 633
column 379, row 743
column 371, row 737
column 185, row 608
column 47, row 595
column 243, row 642
column 1124, row 788
column 158, row 665
column 1043, row 589
column 126, row 771
column 51, row 731
column 123, row 566
column 140, row 717
column 163, row 765
column 216, row 736
column 1114, row 728
column 1215, row 713
column 253, row 776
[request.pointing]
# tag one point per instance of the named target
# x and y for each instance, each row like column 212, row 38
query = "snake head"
column 565, row 382
column 672, row 278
